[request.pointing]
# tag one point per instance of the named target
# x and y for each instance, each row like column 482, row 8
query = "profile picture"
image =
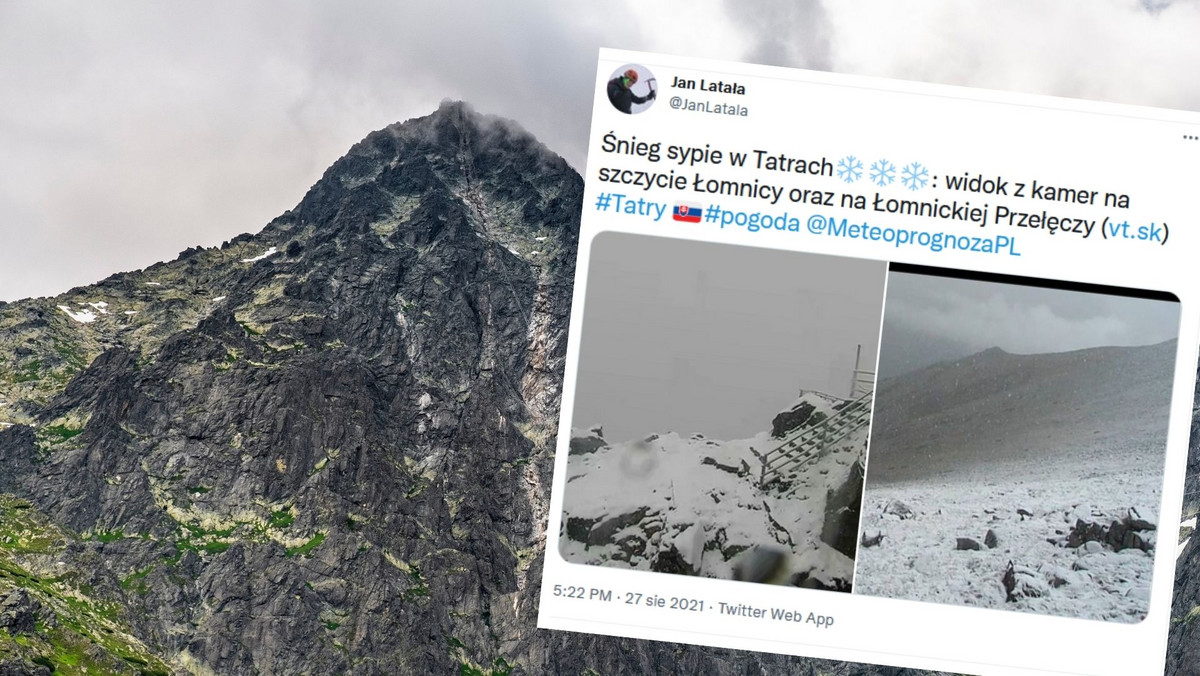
column 632, row 89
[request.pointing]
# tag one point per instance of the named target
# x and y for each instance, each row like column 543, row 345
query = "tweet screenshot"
column 876, row 371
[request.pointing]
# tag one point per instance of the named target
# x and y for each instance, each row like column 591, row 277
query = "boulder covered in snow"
column 587, row 441
column 1023, row 582
column 808, row 410
column 1141, row 519
column 1130, row 531
column 899, row 510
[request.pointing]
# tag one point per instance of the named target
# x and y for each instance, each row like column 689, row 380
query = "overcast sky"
column 931, row 319
column 132, row 130
column 694, row 337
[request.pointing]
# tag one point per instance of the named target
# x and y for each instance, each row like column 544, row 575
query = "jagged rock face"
column 381, row 389
column 843, row 505
column 1191, row 482
column 325, row 448
column 1183, row 644
column 1183, row 641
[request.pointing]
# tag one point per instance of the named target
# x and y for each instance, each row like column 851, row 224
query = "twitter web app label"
column 876, row 371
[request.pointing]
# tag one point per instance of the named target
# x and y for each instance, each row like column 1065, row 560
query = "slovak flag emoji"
column 688, row 212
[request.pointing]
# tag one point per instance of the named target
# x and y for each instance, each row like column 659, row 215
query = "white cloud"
column 1111, row 50
column 134, row 130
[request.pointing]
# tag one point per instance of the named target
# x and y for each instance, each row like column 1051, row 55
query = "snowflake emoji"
column 849, row 169
column 882, row 173
column 914, row 176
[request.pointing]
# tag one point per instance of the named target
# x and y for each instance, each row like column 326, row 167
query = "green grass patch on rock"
column 281, row 519
column 110, row 535
column 76, row 631
column 23, row 530
column 135, row 581
column 306, row 548
column 63, row 432
column 28, row 372
column 419, row 589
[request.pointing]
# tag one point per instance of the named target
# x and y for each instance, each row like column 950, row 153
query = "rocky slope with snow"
column 697, row 506
column 1028, row 482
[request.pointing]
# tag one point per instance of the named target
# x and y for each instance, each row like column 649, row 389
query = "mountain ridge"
column 1003, row 404
column 251, row 434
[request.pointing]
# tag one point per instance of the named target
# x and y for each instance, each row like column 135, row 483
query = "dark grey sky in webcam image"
column 692, row 337
column 931, row 319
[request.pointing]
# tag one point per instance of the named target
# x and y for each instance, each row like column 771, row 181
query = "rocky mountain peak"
column 364, row 390
column 493, row 174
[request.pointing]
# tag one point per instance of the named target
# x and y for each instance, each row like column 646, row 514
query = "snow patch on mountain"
column 81, row 316
column 1185, row 531
column 269, row 252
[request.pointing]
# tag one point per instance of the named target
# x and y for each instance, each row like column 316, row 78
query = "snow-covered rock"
column 898, row 509
column 587, row 441
column 807, row 410
column 696, row 506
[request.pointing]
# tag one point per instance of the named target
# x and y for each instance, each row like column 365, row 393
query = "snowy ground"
column 917, row 558
column 692, row 505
